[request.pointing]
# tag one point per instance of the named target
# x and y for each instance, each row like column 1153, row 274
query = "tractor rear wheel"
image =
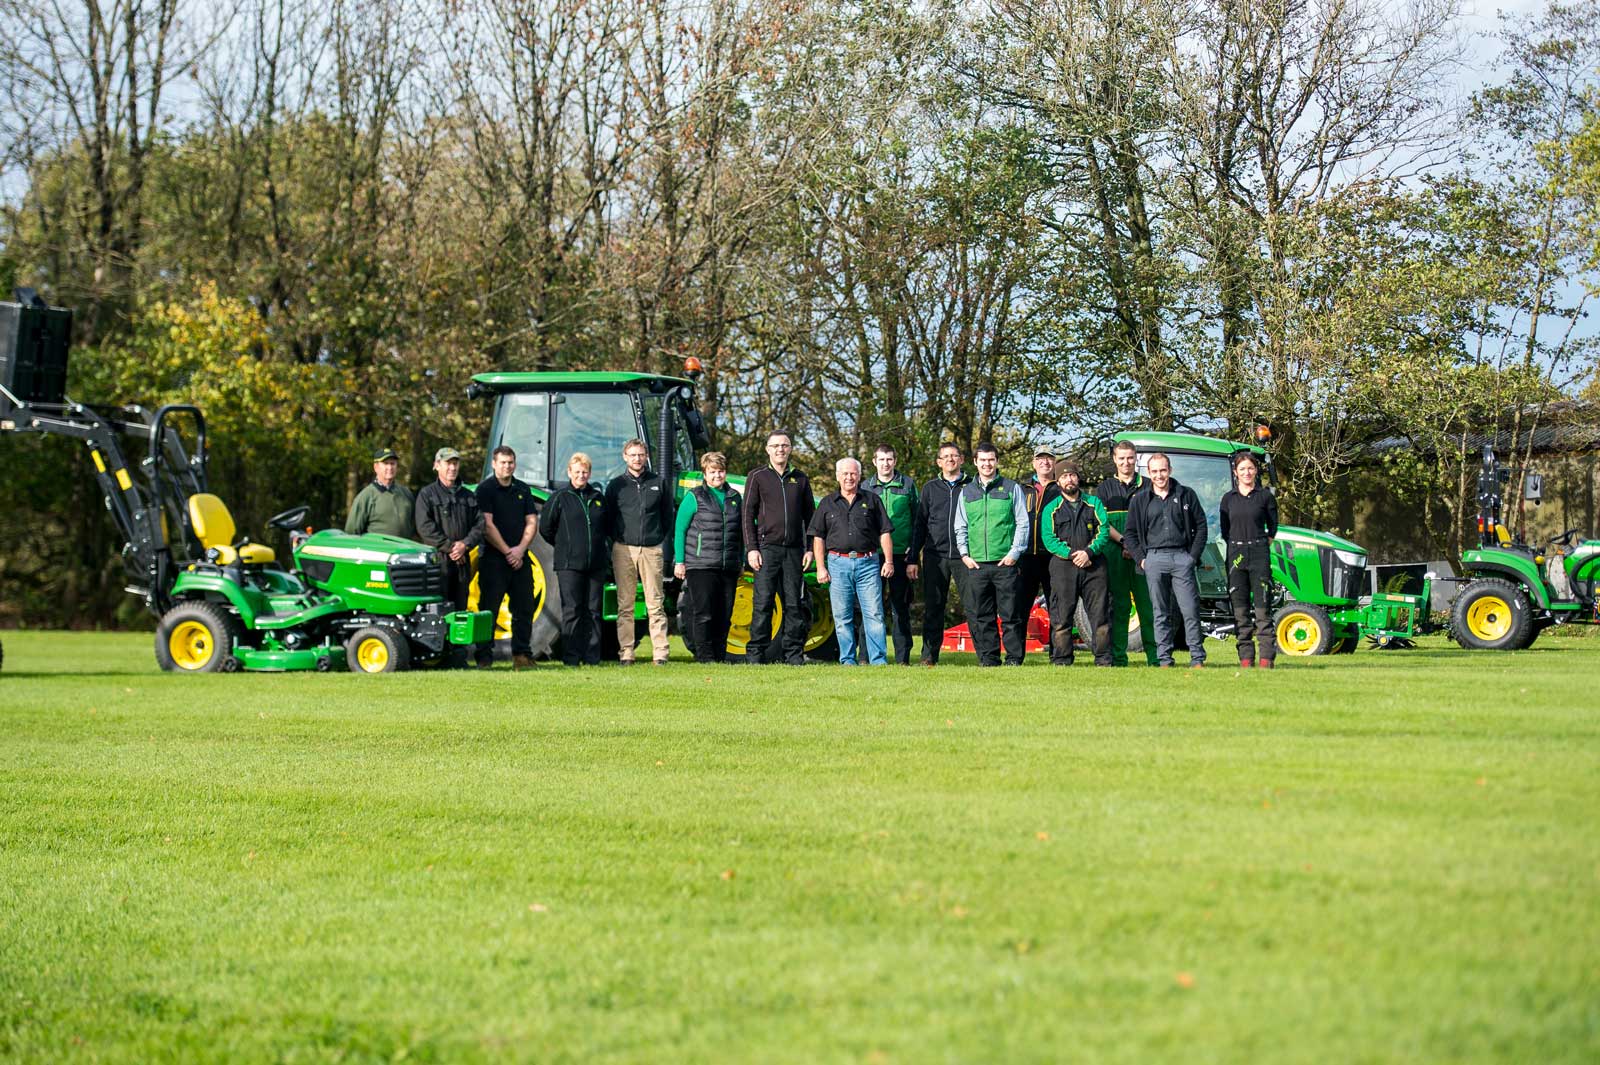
column 197, row 637
column 1492, row 615
column 1303, row 630
column 377, row 649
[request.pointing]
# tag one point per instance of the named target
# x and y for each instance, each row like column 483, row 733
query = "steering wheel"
column 290, row 519
column 1565, row 539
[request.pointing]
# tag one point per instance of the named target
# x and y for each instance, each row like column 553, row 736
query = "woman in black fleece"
column 1249, row 519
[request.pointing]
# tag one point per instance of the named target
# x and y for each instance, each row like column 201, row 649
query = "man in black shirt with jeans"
column 1166, row 535
column 503, row 569
column 853, row 541
column 778, row 504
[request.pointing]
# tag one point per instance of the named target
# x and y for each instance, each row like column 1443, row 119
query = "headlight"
column 1351, row 558
column 417, row 558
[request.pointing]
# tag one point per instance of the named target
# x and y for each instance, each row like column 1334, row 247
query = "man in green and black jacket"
column 992, row 533
column 898, row 493
column 1033, row 572
column 1075, row 530
column 1122, row 578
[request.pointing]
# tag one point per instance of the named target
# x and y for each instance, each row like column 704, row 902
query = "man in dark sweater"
column 383, row 506
column 778, row 505
column 1249, row 520
column 639, row 506
column 941, row 559
column 1166, row 534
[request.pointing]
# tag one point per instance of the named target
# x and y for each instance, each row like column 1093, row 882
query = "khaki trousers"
column 631, row 566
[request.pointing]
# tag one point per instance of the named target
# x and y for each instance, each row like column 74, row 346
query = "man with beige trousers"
column 640, row 507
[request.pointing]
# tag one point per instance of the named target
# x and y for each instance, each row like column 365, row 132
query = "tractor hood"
column 1316, row 538
column 384, row 574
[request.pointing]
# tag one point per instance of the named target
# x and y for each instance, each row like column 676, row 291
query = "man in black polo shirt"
column 509, row 525
column 1167, row 534
column 853, row 541
column 777, row 505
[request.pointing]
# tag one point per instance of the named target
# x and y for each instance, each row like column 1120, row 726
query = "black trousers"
column 1250, row 592
column 936, row 576
column 580, row 615
column 1033, row 578
column 457, row 582
column 897, row 610
column 779, row 577
column 496, row 581
column 710, row 610
column 1069, row 585
column 989, row 593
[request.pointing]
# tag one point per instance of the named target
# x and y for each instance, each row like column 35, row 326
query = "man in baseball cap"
column 383, row 506
column 448, row 519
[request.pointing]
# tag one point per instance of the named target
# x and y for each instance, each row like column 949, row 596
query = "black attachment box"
column 33, row 354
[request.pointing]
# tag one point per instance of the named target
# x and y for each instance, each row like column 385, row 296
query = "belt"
column 1245, row 543
column 854, row 554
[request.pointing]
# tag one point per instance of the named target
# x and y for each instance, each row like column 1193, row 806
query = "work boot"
column 521, row 662
column 1265, row 663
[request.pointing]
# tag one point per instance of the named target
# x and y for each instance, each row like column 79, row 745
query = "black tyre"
column 377, row 649
column 197, row 638
column 1345, row 645
column 546, row 629
column 1303, row 630
column 1492, row 615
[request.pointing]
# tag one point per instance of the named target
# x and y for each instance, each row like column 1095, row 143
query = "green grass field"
column 1382, row 857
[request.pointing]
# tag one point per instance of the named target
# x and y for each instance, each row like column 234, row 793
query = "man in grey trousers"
column 1166, row 534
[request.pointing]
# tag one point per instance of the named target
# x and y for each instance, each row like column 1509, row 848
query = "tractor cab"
column 545, row 417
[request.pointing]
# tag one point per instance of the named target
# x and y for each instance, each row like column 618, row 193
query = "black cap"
column 383, row 453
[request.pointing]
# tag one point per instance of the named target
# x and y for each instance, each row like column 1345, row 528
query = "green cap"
column 383, row 453
column 445, row 454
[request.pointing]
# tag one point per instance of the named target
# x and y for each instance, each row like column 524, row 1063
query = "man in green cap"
column 384, row 506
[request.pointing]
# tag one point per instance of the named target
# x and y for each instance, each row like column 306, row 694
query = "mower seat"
column 213, row 525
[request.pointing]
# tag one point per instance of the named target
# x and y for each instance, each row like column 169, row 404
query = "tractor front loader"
column 223, row 603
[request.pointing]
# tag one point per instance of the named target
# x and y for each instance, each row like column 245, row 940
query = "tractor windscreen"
column 598, row 424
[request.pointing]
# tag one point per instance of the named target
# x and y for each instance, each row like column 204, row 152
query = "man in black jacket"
column 941, row 558
column 574, row 523
column 640, row 507
column 1166, row 535
column 1034, row 568
column 448, row 520
column 778, row 505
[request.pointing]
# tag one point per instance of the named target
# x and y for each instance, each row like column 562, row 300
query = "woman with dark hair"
column 1249, row 520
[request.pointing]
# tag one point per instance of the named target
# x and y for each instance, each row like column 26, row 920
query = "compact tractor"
column 373, row 604
column 1321, row 578
column 1512, row 591
column 545, row 417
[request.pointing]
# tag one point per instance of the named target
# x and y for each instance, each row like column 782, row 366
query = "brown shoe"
column 1197, row 665
column 521, row 662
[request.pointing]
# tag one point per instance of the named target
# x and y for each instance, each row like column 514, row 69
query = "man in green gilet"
column 898, row 494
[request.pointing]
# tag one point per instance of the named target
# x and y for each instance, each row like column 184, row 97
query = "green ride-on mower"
column 1321, row 605
column 1512, row 591
column 223, row 603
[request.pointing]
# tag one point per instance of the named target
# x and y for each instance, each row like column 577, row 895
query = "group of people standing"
column 1132, row 544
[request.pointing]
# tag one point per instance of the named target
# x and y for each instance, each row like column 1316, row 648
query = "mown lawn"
column 1383, row 857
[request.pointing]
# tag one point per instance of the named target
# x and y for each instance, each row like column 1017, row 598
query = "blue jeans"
column 854, row 582
column 1171, row 577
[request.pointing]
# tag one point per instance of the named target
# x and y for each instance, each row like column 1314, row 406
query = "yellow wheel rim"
column 372, row 655
column 191, row 645
column 739, row 624
column 1489, row 618
column 502, row 619
column 1299, row 634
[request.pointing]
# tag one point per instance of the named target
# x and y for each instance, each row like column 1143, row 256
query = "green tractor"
column 545, row 417
column 1324, row 606
column 371, row 603
column 1512, row 591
